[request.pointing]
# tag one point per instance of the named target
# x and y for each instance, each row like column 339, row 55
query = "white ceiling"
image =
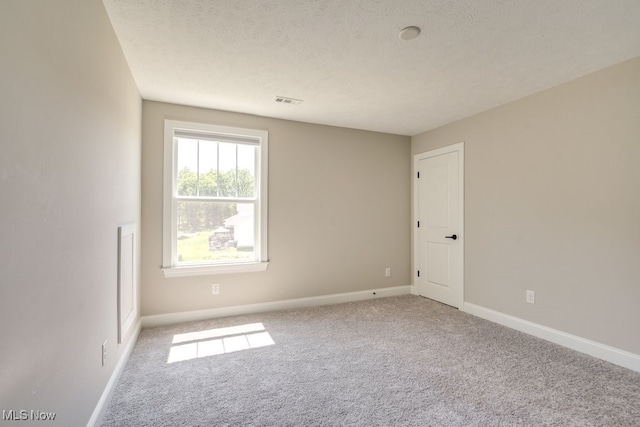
column 345, row 60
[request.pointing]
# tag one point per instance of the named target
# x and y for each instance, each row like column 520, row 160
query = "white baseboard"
column 189, row 316
column 583, row 345
column 105, row 398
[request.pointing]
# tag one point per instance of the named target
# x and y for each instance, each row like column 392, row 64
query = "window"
column 215, row 199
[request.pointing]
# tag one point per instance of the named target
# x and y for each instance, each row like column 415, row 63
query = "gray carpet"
column 400, row 361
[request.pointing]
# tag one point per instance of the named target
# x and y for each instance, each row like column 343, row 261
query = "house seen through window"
column 217, row 189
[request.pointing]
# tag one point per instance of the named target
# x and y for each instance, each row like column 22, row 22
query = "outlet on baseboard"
column 530, row 297
column 104, row 352
column 215, row 288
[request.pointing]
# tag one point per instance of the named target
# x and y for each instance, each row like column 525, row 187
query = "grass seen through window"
column 194, row 247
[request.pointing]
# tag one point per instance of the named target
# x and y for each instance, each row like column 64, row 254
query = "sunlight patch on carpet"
column 193, row 345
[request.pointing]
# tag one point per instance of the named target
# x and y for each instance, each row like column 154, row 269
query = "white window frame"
column 170, row 267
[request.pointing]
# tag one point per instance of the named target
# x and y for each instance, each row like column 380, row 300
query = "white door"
column 438, row 237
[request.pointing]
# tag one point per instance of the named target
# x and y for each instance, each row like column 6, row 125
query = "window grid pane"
column 215, row 169
column 215, row 232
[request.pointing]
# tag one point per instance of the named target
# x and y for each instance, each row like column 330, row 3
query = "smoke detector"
column 409, row 33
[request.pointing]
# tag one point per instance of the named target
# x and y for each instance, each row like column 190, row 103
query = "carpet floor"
column 398, row 361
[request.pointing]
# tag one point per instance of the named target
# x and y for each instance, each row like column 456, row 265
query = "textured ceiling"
column 345, row 60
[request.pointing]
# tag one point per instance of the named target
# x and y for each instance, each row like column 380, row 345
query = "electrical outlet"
column 387, row 272
column 104, row 353
column 215, row 288
column 530, row 297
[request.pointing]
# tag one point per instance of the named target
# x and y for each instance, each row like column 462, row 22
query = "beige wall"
column 552, row 198
column 70, row 118
column 338, row 214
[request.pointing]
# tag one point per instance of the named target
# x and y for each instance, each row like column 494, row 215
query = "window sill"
column 211, row 270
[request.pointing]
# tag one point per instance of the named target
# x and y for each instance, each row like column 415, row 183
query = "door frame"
column 459, row 148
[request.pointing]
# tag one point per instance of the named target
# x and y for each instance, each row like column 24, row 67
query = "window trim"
column 169, row 214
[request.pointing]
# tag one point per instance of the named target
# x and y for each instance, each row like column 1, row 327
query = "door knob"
column 454, row 237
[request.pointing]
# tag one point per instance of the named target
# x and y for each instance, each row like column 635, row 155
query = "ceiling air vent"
column 284, row 100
